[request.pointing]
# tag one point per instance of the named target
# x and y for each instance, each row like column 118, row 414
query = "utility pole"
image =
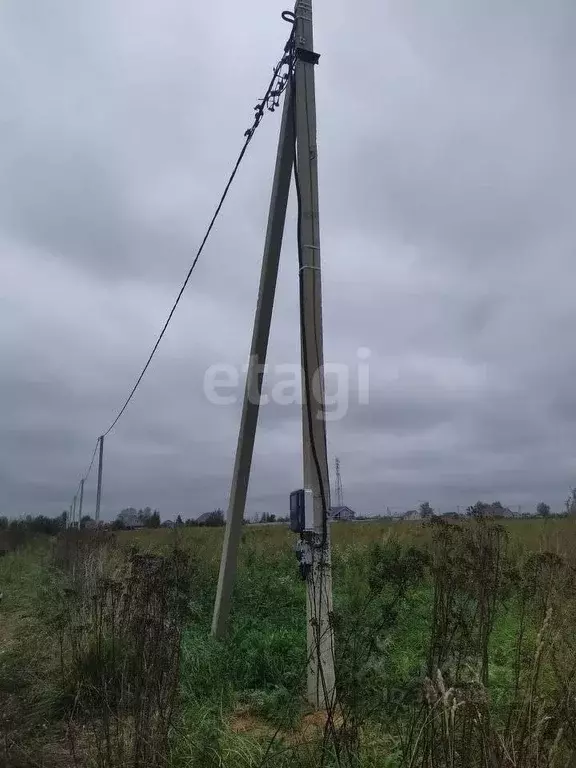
column 74, row 511
column 81, row 501
column 255, row 374
column 339, row 492
column 99, row 488
column 320, row 640
column 298, row 128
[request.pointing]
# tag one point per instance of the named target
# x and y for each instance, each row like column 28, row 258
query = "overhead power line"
column 279, row 81
column 85, row 477
column 270, row 100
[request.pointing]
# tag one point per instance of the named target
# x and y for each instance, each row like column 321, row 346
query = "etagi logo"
column 223, row 384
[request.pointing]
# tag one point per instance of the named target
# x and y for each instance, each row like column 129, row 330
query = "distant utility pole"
column 296, row 150
column 81, row 501
column 99, row 488
column 74, row 511
column 339, row 492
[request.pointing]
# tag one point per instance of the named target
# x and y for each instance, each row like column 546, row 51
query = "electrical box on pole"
column 301, row 511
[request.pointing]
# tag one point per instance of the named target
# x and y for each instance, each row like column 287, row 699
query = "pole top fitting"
column 308, row 57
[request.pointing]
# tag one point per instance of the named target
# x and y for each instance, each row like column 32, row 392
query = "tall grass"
column 455, row 646
column 460, row 722
column 108, row 626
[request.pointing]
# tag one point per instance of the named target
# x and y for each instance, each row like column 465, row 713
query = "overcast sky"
column 447, row 162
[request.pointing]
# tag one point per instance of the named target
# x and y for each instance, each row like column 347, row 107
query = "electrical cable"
column 303, row 330
column 87, row 474
column 270, row 102
column 321, row 587
column 91, row 461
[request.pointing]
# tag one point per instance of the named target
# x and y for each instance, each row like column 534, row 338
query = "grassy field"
column 455, row 646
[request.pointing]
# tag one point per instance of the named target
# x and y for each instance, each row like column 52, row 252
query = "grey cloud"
column 447, row 172
column 473, row 160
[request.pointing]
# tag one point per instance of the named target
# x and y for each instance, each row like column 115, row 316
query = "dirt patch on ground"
column 244, row 722
column 310, row 728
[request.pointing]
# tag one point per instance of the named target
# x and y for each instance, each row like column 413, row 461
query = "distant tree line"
column 39, row 524
column 14, row 532
column 493, row 509
column 131, row 517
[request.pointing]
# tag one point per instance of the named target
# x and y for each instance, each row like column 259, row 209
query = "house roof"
column 339, row 510
column 205, row 516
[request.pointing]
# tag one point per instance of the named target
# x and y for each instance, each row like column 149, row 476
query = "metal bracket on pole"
column 307, row 56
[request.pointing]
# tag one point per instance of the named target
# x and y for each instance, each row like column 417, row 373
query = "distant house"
column 134, row 525
column 341, row 513
column 214, row 518
column 499, row 511
column 129, row 519
column 496, row 509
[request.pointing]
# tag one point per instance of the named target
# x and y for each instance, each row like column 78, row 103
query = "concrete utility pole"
column 339, row 491
column 299, row 114
column 74, row 511
column 320, row 644
column 255, row 375
column 81, row 501
column 99, row 488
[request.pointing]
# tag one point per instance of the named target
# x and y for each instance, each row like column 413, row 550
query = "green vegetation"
column 455, row 646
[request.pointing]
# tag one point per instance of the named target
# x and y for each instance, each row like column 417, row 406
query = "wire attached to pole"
column 85, row 477
column 281, row 77
column 301, row 268
column 269, row 102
